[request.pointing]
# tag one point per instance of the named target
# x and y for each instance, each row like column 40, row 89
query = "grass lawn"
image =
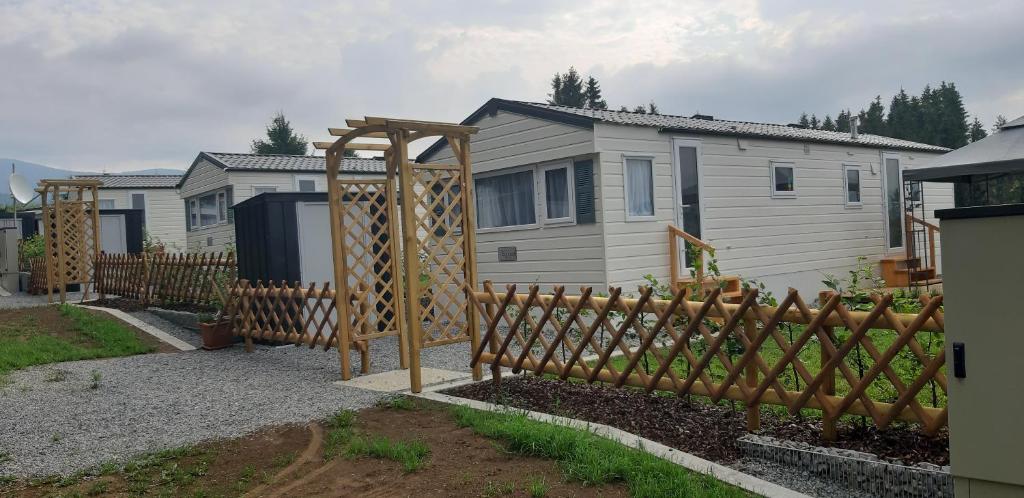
column 399, row 448
column 51, row 334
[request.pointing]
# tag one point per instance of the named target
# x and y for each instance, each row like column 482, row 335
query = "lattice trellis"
column 369, row 258
column 437, row 211
column 721, row 350
column 72, row 238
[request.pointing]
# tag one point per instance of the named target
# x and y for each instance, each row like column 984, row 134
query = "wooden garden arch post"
column 416, row 213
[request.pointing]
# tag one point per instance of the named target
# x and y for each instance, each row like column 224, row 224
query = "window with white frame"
column 257, row 190
column 783, row 179
column 208, row 209
column 852, row 185
column 638, row 178
column 305, row 183
column 105, row 203
column 556, row 182
column 506, row 200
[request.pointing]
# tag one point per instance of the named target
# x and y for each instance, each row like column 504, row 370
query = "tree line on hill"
column 937, row 116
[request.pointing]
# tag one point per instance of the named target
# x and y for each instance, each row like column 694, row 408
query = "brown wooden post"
column 341, row 290
column 394, row 234
column 673, row 259
column 493, row 344
column 410, row 245
column 828, row 424
column 750, row 375
column 469, row 247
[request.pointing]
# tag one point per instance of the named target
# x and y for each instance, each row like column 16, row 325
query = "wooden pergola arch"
column 437, row 225
column 71, row 220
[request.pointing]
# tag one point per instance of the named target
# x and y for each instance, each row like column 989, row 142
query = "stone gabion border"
column 853, row 469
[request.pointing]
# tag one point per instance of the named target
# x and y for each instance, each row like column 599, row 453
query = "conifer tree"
column 281, row 139
column 977, row 131
column 828, row 124
column 593, row 93
column 999, row 123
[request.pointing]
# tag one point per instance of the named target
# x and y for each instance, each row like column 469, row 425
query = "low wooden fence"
column 875, row 363
column 164, row 279
column 37, row 275
column 303, row 316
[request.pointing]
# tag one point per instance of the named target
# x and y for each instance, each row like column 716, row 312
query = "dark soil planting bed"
column 695, row 426
column 131, row 305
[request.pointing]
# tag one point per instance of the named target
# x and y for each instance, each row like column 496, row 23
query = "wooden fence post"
column 492, row 344
column 828, row 424
column 753, row 407
column 245, row 300
column 364, row 328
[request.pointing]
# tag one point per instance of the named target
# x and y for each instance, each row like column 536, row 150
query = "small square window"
column 260, row 190
column 557, row 193
column 783, row 180
column 106, row 203
column 851, row 185
column 307, row 185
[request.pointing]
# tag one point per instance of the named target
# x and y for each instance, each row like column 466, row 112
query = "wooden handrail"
column 674, row 233
column 914, row 219
column 932, row 230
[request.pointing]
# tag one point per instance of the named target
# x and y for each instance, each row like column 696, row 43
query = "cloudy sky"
column 111, row 85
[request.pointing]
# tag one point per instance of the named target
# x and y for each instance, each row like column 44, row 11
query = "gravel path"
column 797, row 480
column 23, row 300
column 155, row 401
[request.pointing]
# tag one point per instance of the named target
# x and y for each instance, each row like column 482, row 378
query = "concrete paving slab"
column 394, row 381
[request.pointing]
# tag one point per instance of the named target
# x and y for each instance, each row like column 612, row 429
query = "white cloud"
column 121, row 85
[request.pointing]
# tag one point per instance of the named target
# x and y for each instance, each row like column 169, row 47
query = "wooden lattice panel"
column 292, row 314
column 437, row 211
column 728, row 351
column 189, row 278
column 369, row 256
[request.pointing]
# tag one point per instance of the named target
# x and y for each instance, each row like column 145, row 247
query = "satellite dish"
column 20, row 189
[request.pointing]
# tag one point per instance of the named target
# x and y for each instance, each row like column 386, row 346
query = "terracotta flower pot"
column 216, row 335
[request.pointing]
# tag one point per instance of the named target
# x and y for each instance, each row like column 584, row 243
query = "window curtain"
column 505, row 200
column 640, row 187
column 556, row 192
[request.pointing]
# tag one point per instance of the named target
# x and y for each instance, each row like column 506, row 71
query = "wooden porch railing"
column 930, row 229
column 674, row 234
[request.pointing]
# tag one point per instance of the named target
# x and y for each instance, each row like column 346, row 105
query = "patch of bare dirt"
column 288, row 461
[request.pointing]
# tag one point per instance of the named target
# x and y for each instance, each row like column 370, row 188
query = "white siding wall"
column 165, row 213
column 568, row 255
column 204, row 178
column 207, row 177
column 785, row 242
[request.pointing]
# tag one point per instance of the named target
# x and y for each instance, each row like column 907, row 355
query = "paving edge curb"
column 683, row 459
column 143, row 326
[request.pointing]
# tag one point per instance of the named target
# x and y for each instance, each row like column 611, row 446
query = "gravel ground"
column 795, row 479
column 155, row 401
column 23, row 300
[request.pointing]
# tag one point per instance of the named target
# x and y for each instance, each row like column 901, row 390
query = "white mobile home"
column 156, row 195
column 216, row 181
column 586, row 197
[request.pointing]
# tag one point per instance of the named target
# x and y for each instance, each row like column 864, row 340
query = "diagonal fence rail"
column 303, row 316
column 875, row 363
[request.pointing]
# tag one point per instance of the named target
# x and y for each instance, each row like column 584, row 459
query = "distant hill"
column 35, row 172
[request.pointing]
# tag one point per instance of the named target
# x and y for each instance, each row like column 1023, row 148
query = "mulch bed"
column 709, row 431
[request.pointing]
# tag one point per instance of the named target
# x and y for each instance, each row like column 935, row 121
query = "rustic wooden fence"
column 834, row 360
column 164, row 279
column 37, row 275
column 303, row 316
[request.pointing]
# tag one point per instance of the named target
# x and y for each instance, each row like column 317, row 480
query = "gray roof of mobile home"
column 695, row 124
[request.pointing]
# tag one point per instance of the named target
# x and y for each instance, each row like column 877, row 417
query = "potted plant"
column 215, row 330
